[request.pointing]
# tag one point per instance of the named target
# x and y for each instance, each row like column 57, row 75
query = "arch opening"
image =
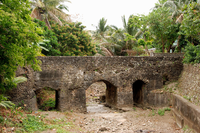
column 47, row 99
column 99, row 95
column 165, row 79
column 96, row 93
column 138, row 92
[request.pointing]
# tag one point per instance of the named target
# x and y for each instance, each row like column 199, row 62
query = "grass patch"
column 161, row 112
column 152, row 113
column 21, row 121
column 187, row 98
column 32, row 123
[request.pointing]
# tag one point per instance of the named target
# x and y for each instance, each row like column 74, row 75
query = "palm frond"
column 35, row 14
column 55, row 18
column 179, row 19
column 63, row 7
column 138, row 34
column 172, row 5
column 105, row 51
column 19, row 79
column 124, row 22
column 107, row 44
column 58, row 12
column 114, row 27
column 7, row 104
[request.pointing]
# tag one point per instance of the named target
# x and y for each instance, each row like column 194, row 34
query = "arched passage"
column 165, row 79
column 96, row 93
column 138, row 92
column 111, row 94
column 101, row 92
column 47, row 98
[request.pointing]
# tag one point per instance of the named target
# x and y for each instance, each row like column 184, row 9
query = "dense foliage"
column 18, row 40
column 163, row 27
column 192, row 54
column 52, row 44
column 190, row 26
column 74, row 40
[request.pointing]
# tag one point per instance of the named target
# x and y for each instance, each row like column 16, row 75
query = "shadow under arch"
column 111, row 93
column 138, row 92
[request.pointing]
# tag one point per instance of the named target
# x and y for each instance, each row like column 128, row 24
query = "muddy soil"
column 103, row 119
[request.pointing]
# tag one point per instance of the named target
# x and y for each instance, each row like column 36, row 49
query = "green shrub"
column 52, row 45
column 74, row 40
column 167, row 109
column 192, row 54
column 141, row 42
column 153, row 112
column 161, row 112
column 1, row 119
column 48, row 105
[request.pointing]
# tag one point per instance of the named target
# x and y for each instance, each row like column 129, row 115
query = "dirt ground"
column 103, row 119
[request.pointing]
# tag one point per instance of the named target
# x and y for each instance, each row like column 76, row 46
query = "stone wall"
column 168, row 54
column 189, row 83
column 185, row 98
column 186, row 113
column 71, row 76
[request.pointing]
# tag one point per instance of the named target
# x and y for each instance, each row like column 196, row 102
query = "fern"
column 7, row 104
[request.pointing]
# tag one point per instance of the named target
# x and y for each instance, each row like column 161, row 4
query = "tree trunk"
column 126, row 44
column 178, row 43
column 163, row 46
column 146, row 50
column 168, row 50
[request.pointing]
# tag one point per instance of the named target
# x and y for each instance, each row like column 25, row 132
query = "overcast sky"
column 91, row 11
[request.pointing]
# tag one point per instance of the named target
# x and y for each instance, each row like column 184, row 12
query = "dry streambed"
column 103, row 119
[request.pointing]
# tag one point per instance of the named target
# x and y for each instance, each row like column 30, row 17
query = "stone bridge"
column 129, row 80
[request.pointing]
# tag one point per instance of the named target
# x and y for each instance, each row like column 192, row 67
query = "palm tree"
column 45, row 9
column 102, row 27
column 176, row 7
column 132, row 29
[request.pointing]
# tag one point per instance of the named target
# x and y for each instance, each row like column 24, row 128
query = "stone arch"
column 39, row 93
column 111, row 93
column 138, row 91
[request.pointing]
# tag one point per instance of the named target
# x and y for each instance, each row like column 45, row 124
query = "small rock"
column 102, row 129
column 120, row 124
column 144, row 124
